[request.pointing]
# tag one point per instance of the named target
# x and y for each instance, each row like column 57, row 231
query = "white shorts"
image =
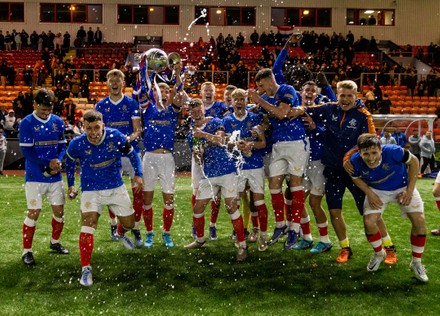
column 314, row 180
column 127, row 168
column 196, row 174
column 35, row 191
column 416, row 205
column 117, row 199
column 253, row 177
column 209, row 187
column 289, row 158
column 159, row 167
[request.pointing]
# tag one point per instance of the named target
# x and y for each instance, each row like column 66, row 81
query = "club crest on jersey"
column 352, row 124
column 249, row 125
column 334, row 118
column 386, row 166
column 124, row 108
column 55, row 127
column 111, row 147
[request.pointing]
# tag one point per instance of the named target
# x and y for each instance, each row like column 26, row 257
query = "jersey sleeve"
column 356, row 160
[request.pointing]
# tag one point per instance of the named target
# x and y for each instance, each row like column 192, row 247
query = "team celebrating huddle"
column 314, row 144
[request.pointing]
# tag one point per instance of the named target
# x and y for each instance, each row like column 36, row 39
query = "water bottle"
column 197, row 143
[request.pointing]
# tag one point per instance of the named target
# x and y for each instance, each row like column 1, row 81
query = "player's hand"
column 253, row 96
column 72, row 193
column 321, row 80
column 198, row 156
column 348, row 167
column 294, row 38
column 137, row 184
column 374, row 201
column 309, row 123
column 144, row 101
column 295, row 112
column 197, row 132
column 405, row 197
column 178, row 67
column 55, row 166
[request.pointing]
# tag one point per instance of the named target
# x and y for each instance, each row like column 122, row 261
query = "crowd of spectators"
column 333, row 54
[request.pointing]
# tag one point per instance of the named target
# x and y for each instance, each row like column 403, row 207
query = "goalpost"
column 404, row 121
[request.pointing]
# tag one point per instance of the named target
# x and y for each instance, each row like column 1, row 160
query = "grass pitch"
column 209, row 281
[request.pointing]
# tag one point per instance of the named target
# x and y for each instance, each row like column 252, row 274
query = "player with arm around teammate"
column 290, row 152
column 343, row 121
column 99, row 151
column 388, row 174
column 43, row 145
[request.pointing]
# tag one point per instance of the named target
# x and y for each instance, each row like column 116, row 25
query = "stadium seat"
column 406, row 110
column 423, row 110
column 432, row 110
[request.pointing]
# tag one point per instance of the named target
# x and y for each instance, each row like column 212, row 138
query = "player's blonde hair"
column 207, row 84
column 238, row 92
column 163, row 85
column 347, row 84
column 115, row 73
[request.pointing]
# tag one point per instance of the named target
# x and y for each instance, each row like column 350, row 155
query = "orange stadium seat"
column 432, row 110
column 423, row 110
column 406, row 110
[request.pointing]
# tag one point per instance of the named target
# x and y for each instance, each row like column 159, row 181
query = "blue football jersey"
column 100, row 164
column 391, row 173
column 285, row 129
column 159, row 127
column 120, row 115
column 216, row 161
column 244, row 125
column 41, row 141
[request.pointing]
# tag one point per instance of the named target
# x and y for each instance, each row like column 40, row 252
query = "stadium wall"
column 417, row 22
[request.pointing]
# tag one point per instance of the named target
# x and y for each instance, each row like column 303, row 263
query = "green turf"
column 209, row 281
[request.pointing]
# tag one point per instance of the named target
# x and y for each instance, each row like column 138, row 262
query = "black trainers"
column 28, row 258
column 113, row 235
column 58, row 248
column 246, row 233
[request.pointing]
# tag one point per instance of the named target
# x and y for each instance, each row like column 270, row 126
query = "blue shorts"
column 337, row 180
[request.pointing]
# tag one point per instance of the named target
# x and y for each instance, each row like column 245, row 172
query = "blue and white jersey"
column 217, row 109
column 391, row 173
column 216, row 161
column 159, row 127
column 120, row 115
column 285, row 129
column 244, row 125
column 41, row 141
column 100, row 164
